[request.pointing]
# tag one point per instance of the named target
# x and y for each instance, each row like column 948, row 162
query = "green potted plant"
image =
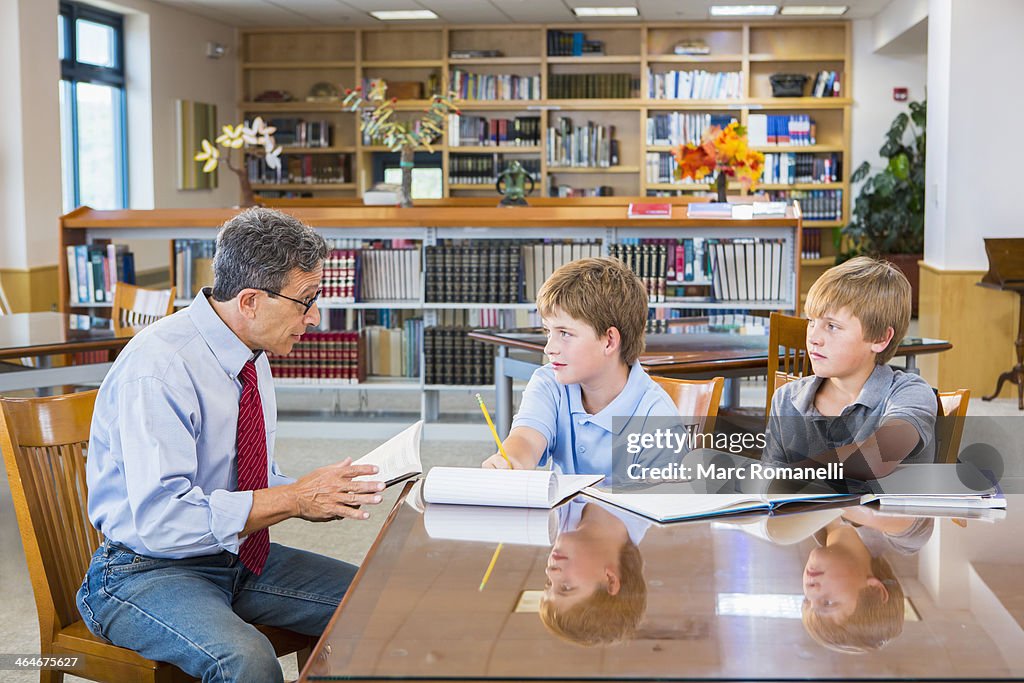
column 888, row 214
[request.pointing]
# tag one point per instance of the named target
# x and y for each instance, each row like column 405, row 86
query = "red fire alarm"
column 899, row 94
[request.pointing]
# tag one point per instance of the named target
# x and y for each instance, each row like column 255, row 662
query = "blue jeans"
column 197, row 613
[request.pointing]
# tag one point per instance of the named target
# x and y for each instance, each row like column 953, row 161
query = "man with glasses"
column 182, row 480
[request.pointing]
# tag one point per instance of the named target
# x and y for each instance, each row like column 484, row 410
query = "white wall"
column 166, row 48
column 874, row 77
column 973, row 164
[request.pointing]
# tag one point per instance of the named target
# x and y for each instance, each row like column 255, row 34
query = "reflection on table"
column 753, row 597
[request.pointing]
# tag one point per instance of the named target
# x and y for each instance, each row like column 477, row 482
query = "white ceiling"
column 249, row 13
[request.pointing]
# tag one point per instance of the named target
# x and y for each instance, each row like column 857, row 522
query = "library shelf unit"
column 580, row 230
column 295, row 59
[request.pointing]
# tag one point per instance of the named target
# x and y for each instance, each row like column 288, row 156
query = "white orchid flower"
column 210, row 155
column 231, row 137
column 273, row 158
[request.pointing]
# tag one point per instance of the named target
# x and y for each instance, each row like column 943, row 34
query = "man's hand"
column 496, row 462
column 330, row 492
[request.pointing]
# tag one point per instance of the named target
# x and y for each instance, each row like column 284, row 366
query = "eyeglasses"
column 306, row 304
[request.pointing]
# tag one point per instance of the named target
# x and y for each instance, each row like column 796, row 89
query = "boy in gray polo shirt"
column 854, row 409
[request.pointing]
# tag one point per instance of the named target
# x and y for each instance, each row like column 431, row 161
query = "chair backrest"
column 787, row 350
column 949, row 424
column 136, row 307
column 697, row 398
column 44, row 442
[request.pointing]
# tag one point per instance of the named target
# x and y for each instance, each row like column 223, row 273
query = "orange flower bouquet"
column 722, row 149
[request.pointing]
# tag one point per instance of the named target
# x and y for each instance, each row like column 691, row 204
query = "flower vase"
column 248, row 196
column 721, row 184
column 406, row 164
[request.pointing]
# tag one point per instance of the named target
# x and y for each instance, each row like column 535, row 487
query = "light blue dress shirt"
column 581, row 443
column 161, row 461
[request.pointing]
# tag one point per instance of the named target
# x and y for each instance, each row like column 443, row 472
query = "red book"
column 646, row 210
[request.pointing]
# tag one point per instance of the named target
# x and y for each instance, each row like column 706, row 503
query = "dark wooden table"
column 692, row 348
column 723, row 602
column 43, row 335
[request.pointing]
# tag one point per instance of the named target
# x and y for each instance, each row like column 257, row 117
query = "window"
column 92, row 107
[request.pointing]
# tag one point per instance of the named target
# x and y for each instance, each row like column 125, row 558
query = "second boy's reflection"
column 853, row 600
column 595, row 591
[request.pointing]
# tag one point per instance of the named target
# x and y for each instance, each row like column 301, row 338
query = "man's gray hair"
column 259, row 247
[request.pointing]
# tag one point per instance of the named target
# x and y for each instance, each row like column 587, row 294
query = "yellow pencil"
column 490, row 567
column 501, row 449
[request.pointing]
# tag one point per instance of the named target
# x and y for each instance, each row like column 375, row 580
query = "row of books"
column 95, row 269
column 827, row 84
column 678, row 127
column 482, row 169
column 667, row 266
column 451, row 357
column 565, row 190
column 592, row 86
column 464, row 129
column 572, row 44
column 394, row 352
column 588, row 146
column 372, row 270
column 473, row 271
column 311, row 169
column 816, row 205
column 648, row 260
column 810, row 243
column 660, row 168
column 473, row 86
column 696, row 84
column 764, row 130
column 193, row 266
column 297, row 132
column 337, row 357
column 541, row 259
column 747, row 269
column 802, row 168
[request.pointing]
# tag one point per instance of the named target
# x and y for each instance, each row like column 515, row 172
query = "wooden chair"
column 697, row 398
column 789, row 333
column 136, row 307
column 44, row 442
column 949, row 424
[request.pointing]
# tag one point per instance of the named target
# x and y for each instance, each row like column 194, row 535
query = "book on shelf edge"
column 649, row 210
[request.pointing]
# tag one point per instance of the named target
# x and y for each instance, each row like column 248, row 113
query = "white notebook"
column 503, row 488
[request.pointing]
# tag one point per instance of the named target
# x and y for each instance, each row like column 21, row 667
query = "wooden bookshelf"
column 294, row 59
column 599, row 222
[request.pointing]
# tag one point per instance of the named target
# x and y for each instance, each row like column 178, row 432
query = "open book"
column 669, row 503
column 399, row 459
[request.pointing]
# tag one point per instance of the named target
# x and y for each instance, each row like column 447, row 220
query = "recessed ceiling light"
column 814, row 10
column 744, row 10
column 605, row 11
column 403, row 14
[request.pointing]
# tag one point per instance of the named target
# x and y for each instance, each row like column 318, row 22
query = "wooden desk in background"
column 688, row 347
column 45, row 334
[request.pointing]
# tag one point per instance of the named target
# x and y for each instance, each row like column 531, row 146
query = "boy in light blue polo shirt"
column 594, row 313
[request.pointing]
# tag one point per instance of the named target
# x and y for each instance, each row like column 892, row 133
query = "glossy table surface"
column 723, row 600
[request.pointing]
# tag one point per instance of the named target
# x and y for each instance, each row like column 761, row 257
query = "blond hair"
column 604, row 293
column 875, row 622
column 874, row 291
column 602, row 618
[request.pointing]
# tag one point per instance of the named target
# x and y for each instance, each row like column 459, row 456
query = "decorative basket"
column 788, row 85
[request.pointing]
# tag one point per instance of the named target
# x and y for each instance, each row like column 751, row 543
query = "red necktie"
column 251, row 460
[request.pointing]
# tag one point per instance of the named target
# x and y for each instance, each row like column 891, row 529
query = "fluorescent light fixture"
column 605, row 11
column 777, row 606
column 744, row 10
column 814, row 10
column 403, row 14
